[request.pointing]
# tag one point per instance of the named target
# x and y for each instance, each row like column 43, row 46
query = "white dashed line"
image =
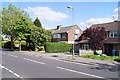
column 79, row 72
column 34, row 61
column 13, row 55
column 3, row 67
column 3, row 53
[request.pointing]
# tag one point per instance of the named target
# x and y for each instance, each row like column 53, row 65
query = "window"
column 114, row 34
column 57, row 36
column 76, row 36
column 77, row 31
column 86, row 46
column 64, row 35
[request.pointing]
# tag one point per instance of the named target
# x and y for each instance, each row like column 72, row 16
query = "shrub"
column 117, row 59
column 52, row 47
column 7, row 44
column 22, row 42
column 3, row 43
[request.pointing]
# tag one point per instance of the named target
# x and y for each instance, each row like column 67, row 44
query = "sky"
column 86, row 14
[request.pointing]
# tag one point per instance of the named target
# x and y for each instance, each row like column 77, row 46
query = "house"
column 66, row 34
column 111, row 42
column 5, row 37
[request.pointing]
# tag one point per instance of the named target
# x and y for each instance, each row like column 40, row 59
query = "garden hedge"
column 53, row 47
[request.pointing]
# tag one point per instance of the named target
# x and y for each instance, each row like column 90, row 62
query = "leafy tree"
column 22, row 30
column 10, row 16
column 37, row 22
column 96, row 37
column 48, row 35
column 39, row 36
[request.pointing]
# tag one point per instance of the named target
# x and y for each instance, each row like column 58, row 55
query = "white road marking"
column 13, row 55
column 3, row 53
column 34, row 61
column 3, row 67
column 79, row 72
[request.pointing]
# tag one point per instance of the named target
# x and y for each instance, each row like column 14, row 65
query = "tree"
column 39, row 36
column 37, row 22
column 22, row 30
column 10, row 16
column 96, row 37
column 48, row 35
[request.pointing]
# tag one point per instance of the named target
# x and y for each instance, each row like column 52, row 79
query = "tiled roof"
column 84, row 41
column 108, row 26
column 62, row 29
column 112, row 40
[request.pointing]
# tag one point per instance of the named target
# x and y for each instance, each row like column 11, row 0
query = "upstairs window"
column 64, row 35
column 114, row 34
column 57, row 36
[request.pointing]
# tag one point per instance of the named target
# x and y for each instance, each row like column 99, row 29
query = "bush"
column 117, row 59
column 3, row 43
column 7, row 44
column 22, row 42
column 52, row 47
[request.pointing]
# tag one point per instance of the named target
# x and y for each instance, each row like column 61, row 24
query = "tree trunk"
column 20, row 46
column 94, row 51
column 36, row 48
column 12, row 42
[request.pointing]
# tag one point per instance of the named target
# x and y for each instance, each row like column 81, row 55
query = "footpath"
column 67, row 57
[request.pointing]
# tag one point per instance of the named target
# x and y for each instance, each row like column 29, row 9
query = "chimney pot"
column 58, row 27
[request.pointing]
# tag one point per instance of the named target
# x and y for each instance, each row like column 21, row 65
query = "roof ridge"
column 105, row 23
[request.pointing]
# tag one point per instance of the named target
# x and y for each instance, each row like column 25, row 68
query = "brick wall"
column 71, row 33
column 116, row 46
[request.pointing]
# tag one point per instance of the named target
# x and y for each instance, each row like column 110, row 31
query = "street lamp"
column 70, row 7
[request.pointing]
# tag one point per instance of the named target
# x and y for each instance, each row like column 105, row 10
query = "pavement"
column 67, row 56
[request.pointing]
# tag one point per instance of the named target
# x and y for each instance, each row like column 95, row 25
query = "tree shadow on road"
column 112, row 68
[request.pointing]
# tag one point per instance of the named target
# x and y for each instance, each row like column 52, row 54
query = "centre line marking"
column 79, row 72
column 34, row 61
column 3, row 53
column 12, row 55
column 3, row 67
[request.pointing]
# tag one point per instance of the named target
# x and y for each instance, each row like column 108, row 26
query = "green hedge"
column 52, row 47
column 7, row 43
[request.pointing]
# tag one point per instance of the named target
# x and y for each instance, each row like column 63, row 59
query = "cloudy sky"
column 52, row 14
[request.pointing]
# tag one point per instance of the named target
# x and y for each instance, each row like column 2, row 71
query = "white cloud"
column 92, row 21
column 98, row 20
column 117, row 10
column 46, row 13
column 117, row 13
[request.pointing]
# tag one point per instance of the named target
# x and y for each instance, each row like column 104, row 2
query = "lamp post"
column 70, row 7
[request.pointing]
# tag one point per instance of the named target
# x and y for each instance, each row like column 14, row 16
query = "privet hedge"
column 52, row 47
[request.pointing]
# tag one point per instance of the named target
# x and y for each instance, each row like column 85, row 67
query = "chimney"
column 58, row 27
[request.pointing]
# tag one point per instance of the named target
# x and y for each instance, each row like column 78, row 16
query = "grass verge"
column 108, row 58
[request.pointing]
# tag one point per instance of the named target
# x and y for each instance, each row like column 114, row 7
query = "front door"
column 108, row 49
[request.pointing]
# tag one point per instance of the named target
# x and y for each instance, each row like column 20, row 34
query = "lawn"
column 108, row 58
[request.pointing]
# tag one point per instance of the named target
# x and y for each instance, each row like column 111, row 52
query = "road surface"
column 16, row 65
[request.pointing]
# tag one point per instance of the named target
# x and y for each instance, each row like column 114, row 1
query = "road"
column 16, row 65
